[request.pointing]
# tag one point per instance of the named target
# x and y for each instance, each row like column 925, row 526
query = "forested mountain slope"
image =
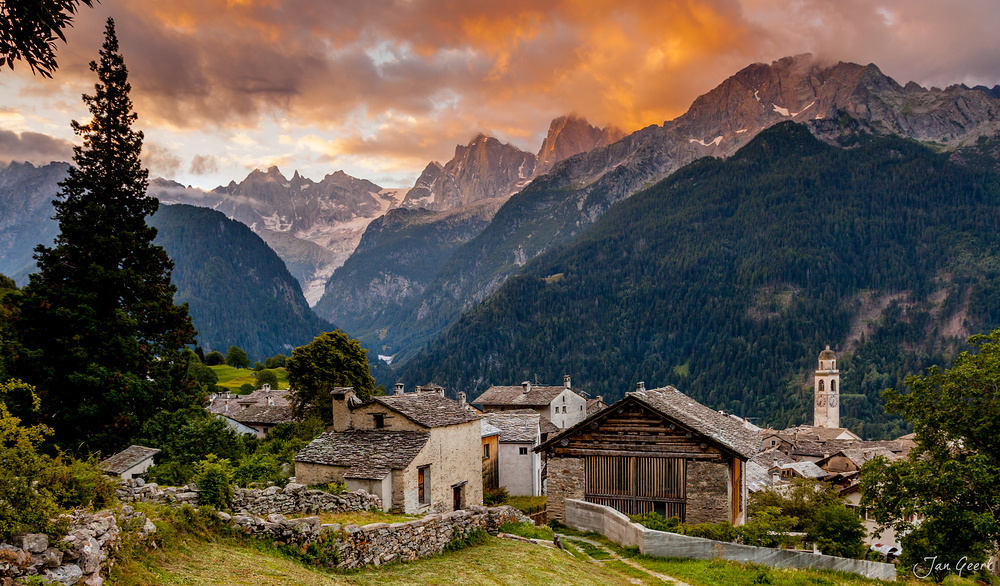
column 727, row 278
column 240, row 293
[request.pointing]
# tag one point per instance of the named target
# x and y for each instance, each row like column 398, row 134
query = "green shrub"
column 77, row 483
column 330, row 487
column 838, row 531
column 214, row 478
column 475, row 537
column 259, row 468
column 169, row 473
column 495, row 496
column 768, row 528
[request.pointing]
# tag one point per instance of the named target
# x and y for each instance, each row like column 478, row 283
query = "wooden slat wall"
column 635, row 485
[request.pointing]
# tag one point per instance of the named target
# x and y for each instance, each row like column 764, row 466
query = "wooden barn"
column 656, row 450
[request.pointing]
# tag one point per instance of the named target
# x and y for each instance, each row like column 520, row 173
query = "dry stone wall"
column 354, row 546
column 708, row 499
column 81, row 556
column 293, row 498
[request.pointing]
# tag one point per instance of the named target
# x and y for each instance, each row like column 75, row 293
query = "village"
column 655, row 451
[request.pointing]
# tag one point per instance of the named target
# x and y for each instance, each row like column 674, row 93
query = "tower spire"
column 826, row 410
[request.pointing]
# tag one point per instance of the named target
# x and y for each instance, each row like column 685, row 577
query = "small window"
column 523, row 451
column 486, row 451
column 564, row 408
column 379, row 420
column 424, row 484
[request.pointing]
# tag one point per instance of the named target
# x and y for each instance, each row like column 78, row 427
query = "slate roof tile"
column 127, row 458
column 367, row 454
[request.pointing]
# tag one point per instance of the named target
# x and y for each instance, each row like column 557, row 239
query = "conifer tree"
column 103, row 335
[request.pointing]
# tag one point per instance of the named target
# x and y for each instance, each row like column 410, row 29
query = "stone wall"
column 708, row 498
column 354, row 546
column 616, row 526
column 293, row 498
column 84, row 552
column 565, row 480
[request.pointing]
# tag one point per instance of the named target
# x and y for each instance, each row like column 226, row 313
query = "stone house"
column 657, row 451
column 419, row 452
column 520, row 467
column 130, row 462
column 562, row 406
column 261, row 418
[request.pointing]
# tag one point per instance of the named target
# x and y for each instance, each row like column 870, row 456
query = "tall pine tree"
column 102, row 334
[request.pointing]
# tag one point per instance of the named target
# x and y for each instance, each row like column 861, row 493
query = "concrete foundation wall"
column 616, row 526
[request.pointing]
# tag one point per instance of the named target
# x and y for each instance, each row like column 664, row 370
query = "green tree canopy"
column 104, row 339
column 215, row 358
column 237, row 358
column 276, row 361
column 29, row 29
column 331, row 360
column 267, row 377
column 952, row 477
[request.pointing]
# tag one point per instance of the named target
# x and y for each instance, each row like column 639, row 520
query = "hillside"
column 26, row 193
column 834, row 100
column 727, row 278
column 238, row 290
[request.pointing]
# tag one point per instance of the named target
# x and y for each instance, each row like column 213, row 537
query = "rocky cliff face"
column 313, row 226
column 483, row 169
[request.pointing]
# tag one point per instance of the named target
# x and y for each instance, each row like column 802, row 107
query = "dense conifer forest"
column 726, row 280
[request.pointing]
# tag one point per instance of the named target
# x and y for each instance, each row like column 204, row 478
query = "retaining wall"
column 617, row 527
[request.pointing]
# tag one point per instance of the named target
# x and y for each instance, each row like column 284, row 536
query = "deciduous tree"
column 237, row 358
column 331, row 360
column 945, row 496
column 29, row 29
column 104, row 337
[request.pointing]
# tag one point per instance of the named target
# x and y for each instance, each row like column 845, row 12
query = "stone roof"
column 536, row 396
column 229, row 403
column 127, row 458
column 519, row 426
column 859, row 455
column 768, row 458
column 717, row 426
column 428, row 409
column 263, row 414
column 367, row 455
column 805, row 469
column 547, row 427
column 488, row 430
column 595, row 406
column 828, row 354
column 758, row 477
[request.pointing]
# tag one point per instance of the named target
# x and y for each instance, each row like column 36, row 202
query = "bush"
column 768, row 528
column 495, row 496
column 475, row 537
column 330, row 487
column 215, row 358
column 169, row 473
column 214, row 478
column 77, row 483
column 838, row 531
column 259, row 469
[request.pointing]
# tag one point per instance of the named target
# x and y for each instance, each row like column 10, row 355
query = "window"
column 379, row 420
column 833, row 386
column 486, row 451
column 424, row 484
column 564, row 408
column 821, row 386
column 522, row 451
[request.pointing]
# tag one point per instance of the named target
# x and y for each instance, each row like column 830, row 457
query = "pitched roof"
column 263, row 414
column 768, row 458
column 805, row 469
column 547, row 427
column 229, row 403
column 366, row 454
column 516, row 396
column 717, row 426
column 127, row 458
column 488, row 430
column 428, row 409
column 519, row 426
column 757, row 477
column 859, row 454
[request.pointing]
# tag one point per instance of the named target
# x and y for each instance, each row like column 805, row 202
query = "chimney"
column 566, row 381
column 600, row 398
column 399, row 389
column 265, row 387
column 461, row 398
column 342, row 399
column 526, row 386
column 640, row 386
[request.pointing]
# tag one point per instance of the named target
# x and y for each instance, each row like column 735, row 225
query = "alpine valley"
column 797, row 204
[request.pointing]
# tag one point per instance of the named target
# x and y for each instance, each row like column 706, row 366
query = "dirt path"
column 614, row 557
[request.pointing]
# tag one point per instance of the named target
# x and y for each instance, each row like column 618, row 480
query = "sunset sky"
column 379, row 88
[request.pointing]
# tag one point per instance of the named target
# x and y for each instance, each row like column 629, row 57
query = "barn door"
column 636, row 485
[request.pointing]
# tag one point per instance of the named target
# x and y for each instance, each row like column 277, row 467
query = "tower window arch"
column 821, row 386
column 833, row 386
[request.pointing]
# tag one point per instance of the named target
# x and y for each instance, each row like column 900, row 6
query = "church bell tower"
column 827, row 406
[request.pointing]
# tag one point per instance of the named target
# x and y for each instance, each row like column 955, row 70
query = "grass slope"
column 234, row 378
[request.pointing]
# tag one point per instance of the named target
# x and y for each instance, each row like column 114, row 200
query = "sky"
column 379, row 88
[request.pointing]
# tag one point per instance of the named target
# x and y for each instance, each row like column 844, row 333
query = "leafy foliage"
column 237, row 358
column 276, row 361
column 800, row 501
column 267, row 377
column 727, row 277
column 838, row 531
column 330, row 360
column 185, row 437
column 24, row 506
column 952, row 477
column 28, row 32
column 215, row 358
column 214, row 478
column 104, row 339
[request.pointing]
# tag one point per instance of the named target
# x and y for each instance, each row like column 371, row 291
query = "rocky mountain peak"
column 484, row 168
column 570, row 135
